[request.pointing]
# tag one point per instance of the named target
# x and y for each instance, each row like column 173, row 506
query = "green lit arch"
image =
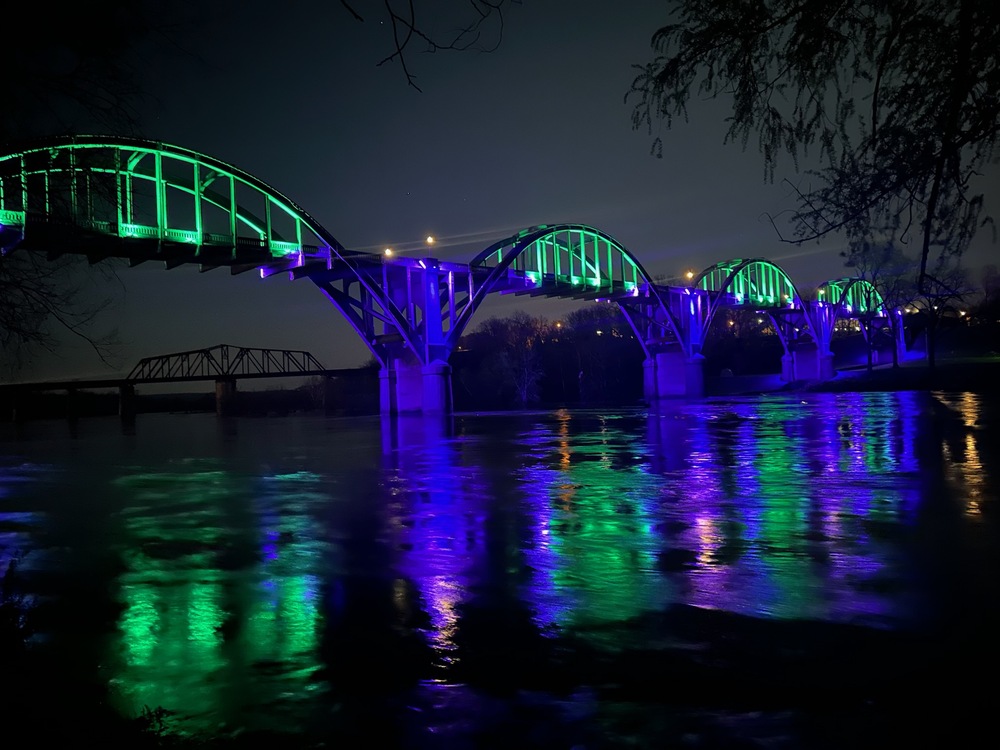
column 91, row 185
column 750, row 282
column 852, row 297
column 131, row 161
column 755, row 282
column 575, row 261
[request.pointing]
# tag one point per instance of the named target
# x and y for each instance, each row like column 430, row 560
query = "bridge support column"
column 332, row 396
column 788, row 367
column 808, row 364
column 674, row 375
column 126, row 402
column 225, row 397
column 409, row 387
column 649, row 380
column 412, row 388
column 437, row 388
column 900, row 335
column 387, row 391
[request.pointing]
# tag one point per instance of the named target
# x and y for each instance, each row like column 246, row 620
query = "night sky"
column 536, row 132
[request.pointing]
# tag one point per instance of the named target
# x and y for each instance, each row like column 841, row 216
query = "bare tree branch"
column 408, row 28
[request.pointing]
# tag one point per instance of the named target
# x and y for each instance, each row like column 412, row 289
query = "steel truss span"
column 224, row 361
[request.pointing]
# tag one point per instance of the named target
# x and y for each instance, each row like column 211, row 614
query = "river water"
column 553, row 578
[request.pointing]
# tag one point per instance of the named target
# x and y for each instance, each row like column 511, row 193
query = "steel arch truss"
column 105, row 197
column 161, row 202
column 853, row 298
column 760, row 285
column 569, row 261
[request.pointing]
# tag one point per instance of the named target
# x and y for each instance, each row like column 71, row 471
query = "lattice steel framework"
column 224, row 361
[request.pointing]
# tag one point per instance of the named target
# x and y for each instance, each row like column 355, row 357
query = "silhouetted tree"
column 991, row 285
column 511, row 363
column 607, row 354
column 899, row 100
column 940, row 299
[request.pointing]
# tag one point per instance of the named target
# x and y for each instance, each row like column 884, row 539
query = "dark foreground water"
column 808, row 571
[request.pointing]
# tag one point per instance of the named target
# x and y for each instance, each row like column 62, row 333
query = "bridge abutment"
column 387, row 391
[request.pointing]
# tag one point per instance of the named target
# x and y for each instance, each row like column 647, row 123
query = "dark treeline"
column 590, row 357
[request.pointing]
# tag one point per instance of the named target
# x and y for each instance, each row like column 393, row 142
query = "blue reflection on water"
column 273, row 564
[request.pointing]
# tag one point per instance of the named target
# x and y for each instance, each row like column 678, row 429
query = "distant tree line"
column 590, row 357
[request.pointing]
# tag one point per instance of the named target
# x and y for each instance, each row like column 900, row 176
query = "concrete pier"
column 672, row 375
column 226, row 401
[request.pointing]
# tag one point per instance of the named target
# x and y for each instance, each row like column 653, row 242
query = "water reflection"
column 220, row 592
column 590, row 501
column 268, row 574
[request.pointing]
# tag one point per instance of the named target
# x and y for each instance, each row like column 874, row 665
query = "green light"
column 159, row 192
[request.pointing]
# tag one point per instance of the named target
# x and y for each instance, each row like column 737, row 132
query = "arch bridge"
column 110, row 197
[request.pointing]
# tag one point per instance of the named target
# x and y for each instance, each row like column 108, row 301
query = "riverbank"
column 972, row 374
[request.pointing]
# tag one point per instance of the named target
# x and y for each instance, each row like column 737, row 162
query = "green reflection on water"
column 220, row 611
column 594, row 554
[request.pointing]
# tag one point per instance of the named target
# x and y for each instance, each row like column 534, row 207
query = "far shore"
column 967, row 374
column 970, row 374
